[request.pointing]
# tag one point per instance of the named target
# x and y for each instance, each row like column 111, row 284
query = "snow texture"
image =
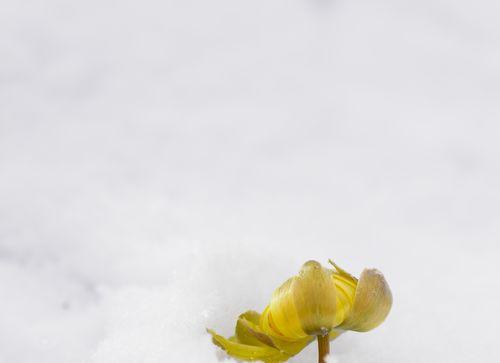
column 164, row 165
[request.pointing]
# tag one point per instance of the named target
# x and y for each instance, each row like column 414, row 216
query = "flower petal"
column 292, row 347
column 340, row 271
column 248, row 331
column 345, row 285
column 281, row 317
column 372, row 302
column 249, row 352
column 315, row 298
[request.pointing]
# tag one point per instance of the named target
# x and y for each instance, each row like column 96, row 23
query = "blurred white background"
column 164, row 165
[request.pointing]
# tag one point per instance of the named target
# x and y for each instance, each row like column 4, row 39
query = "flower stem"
column 323, row 347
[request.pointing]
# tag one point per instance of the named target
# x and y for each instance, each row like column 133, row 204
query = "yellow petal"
column 303, row 306
column 341, row 272
column 281, row 317
column 248, row 331
column 292, row 347
column 249, row 352
column 315, row 299
column 372, row 302
column 345, row 286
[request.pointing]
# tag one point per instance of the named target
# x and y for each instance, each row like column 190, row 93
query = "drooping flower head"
column 318, row 302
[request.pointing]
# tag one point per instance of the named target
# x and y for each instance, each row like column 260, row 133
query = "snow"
column 164, row 165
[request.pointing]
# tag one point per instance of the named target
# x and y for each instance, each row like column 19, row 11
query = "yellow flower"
column 317, row 303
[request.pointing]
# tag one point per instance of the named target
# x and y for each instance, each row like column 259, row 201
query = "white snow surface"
column 165, row 165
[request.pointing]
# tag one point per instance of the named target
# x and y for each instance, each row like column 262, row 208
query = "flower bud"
column 318, row 302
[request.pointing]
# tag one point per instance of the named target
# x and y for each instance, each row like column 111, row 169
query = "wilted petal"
column 372, row 302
